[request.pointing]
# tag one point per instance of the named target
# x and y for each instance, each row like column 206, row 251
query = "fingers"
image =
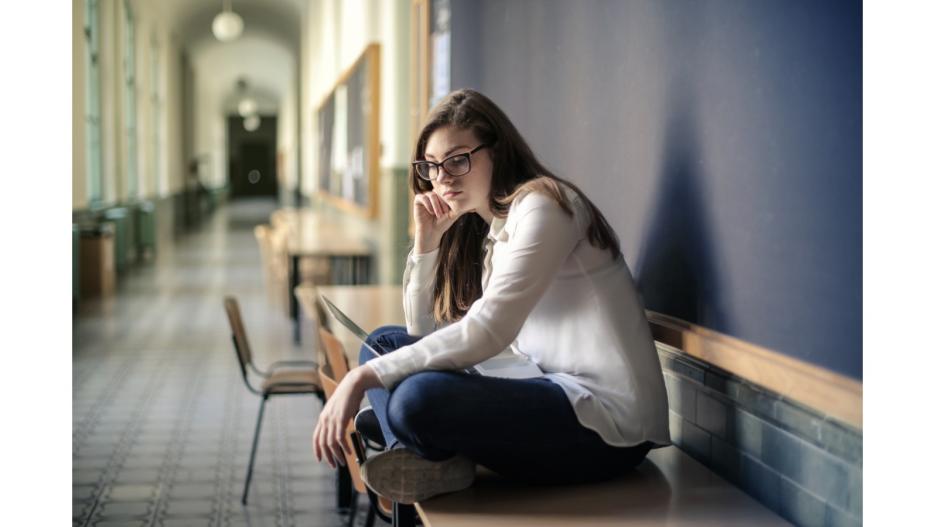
column 433, row 204
column 330, row 457
column 329, row 441
column 318, row 444
column 337, row 445
column 319, row 436
column 315, row 446
column 441, row 205
column 422, row 201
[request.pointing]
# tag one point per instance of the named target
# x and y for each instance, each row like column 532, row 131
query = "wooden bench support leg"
column 404, row 515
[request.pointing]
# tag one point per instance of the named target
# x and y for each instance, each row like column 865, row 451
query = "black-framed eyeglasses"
column 456, row 165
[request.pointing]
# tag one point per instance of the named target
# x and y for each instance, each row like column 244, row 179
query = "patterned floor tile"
column 162, row 421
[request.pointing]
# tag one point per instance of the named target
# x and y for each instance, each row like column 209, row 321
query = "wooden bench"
column 668, row 488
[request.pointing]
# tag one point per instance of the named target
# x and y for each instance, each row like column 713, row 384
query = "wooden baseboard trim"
column 830, row 393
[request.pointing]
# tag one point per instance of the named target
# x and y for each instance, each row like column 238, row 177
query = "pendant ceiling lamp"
column 252, row 123
column 247, row 107
column 227, row 25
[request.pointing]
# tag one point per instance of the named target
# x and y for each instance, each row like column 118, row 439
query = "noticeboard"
column 348, row 137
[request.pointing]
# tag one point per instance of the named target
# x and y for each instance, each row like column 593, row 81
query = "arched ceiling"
column 268, row 68
column 191, row 20
column 266, row 53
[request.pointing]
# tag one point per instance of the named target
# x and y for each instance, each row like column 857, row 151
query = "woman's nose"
column 443, row 175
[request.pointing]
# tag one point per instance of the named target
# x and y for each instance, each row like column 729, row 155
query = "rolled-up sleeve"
column 543, row 237
column 418, row 284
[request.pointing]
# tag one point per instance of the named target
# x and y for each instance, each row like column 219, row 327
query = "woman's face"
column 469, row 192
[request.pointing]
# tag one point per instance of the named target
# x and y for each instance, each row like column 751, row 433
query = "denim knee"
column 376, row 340
column 416, row 406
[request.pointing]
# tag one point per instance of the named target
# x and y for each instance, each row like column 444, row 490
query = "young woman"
column 506, row 255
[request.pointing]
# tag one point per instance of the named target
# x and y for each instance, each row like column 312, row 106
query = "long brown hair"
column 516, row 171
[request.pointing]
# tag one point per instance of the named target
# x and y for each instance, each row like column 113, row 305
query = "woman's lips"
column 451, row 194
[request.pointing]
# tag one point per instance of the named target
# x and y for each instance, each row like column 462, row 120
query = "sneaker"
column 404, row 477
column 366, row 423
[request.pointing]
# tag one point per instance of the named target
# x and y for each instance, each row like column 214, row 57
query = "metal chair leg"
column 344, row 488
column 253, row 450
column 352, row 512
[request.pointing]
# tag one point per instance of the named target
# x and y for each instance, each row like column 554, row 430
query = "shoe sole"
column 404, row 477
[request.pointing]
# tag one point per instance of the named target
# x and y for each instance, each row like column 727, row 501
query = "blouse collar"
column 497, row 233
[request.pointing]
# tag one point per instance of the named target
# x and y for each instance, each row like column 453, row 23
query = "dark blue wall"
column 722, row 139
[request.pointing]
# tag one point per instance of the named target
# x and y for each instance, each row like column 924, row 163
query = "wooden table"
column 311, row 236
column 370, row 306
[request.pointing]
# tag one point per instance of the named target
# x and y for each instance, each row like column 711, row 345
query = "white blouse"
column 550, row 295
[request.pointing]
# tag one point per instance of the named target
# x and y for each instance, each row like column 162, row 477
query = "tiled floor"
column 161, row 419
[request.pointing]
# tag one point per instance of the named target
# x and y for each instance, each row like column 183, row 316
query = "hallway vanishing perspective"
column 271, row 150
column 162, row 422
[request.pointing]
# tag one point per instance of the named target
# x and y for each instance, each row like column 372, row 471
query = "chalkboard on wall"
column 348, row 131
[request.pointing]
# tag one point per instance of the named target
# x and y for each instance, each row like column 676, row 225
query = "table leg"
column 360, row 270
column 293, row 301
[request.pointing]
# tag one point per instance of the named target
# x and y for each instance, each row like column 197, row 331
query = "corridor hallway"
column 162, row 421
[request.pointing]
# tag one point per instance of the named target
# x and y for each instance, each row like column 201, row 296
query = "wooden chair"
column 331, row 373
column 335, row 355
column 295, row 377
column 279, row 266
column 283, row 217
column 263, row 234
column 283, row 224
column 320, row 318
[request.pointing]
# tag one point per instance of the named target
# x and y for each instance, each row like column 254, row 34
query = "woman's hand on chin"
column 432, row 216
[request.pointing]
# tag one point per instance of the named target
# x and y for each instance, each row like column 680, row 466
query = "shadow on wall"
column 674, row 271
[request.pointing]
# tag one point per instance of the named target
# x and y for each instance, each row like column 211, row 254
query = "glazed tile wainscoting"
column 803, row 465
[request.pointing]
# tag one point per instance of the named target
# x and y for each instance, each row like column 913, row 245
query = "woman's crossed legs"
column 523, row 429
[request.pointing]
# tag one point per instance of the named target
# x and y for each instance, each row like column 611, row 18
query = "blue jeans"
column 522, row 429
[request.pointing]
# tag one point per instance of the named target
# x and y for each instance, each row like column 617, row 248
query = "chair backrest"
column 262, row 234
column 282, row 217
column 329, row 384
column 334, row 354
column 321, row 317
column 238, row 335
column 279, row 266
column 278, row 240
column 321, row 321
